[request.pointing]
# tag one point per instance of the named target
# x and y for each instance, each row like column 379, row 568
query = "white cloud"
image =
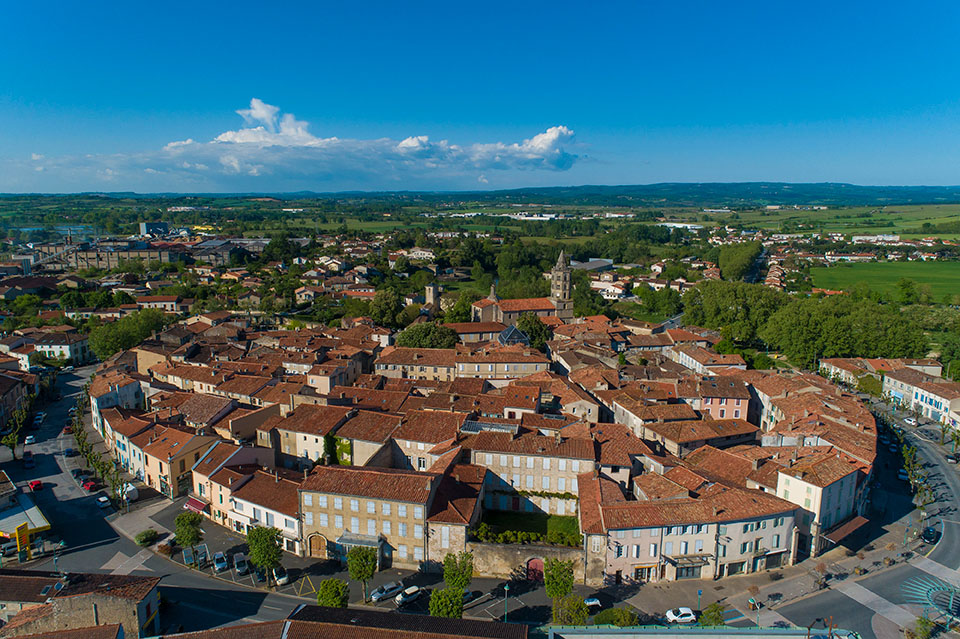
column 276, row 151
column 36, row 156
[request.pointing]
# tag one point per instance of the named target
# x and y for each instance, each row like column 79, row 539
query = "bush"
column 623, row 617
column 146, row 537
column 334, row 593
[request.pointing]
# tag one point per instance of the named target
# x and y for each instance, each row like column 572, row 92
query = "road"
column 873, row 612
column 193, row 601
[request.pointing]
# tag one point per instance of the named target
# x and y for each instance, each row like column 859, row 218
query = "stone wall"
column 505, row 561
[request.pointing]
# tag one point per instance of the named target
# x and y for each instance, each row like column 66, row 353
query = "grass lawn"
column 943, row 278
column 637, row 312
column 531, row 522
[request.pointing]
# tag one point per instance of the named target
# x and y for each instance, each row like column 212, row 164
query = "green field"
column 943, row 278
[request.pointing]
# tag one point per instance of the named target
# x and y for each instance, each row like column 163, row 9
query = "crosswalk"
column 883, row 607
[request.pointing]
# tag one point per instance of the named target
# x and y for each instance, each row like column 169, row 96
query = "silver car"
column 384, row 592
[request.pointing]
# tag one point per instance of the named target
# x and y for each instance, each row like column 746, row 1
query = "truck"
column 130, row 493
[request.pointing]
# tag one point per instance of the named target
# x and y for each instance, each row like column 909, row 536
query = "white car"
column 410, row 594
column 910, row 420
column 103, row 501
column 681, row 615
column 30, row 439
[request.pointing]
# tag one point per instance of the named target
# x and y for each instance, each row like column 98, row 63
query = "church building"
column 559, row 304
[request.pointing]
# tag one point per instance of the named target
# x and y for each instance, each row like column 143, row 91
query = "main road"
column 192, row 600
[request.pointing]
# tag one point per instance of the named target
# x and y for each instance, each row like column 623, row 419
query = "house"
column 271, row 499
column 70, row 346
column 168, row 457
column 113, row 390
column 41, row 603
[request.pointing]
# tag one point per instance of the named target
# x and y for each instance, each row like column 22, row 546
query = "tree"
column 458, row 570
column 333, row 593
column 447, row 602
column 534, row 328
column 126, row 332
column 11, row 440
column 427, row 335
column 362, row 564
column 264, row 548
column 712, row 615
column 385, row 307
column 187, row 529
column 461, row 310
column 558, row 580
column 736, row 260
column 570, row 611
column 623, row 617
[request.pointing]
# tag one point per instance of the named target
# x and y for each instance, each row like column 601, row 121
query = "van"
column 8, row 549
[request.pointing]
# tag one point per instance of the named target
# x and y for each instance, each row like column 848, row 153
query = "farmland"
column 943, row 278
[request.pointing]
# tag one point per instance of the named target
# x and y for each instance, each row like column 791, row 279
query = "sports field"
column 943, row 278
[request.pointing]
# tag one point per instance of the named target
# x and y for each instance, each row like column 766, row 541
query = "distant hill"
column 667, row 194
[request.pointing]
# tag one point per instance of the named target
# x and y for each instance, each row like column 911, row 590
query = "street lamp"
column 506, row 595
column 56, row 555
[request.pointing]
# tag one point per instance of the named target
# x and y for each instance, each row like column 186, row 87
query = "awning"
column 689, row 560
column 195, row 505
column 843, row 531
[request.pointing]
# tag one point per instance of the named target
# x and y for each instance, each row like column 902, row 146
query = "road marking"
column 936, row 569
column 900, row 616
column 132, row 563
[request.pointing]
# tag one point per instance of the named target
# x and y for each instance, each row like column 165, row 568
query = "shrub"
column 622, row 617
column 146, row 537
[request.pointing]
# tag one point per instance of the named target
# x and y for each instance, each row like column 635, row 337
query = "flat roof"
column 25, row 510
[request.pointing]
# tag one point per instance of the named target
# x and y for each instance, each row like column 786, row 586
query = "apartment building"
column 268, row 499
column 382, row 508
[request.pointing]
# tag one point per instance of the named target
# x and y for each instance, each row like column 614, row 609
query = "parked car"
column 902, row 475
column 89, row 485
column 67, row 430
column 930, row 535
column 409, row 595
column 67, row 369
column 8, row 549
column 952, row 459
column 592, row 604
column 220, row 562
column 260, row 574
column 240, row 564
column 69, row 452
column 28, row 460
column 36, row 484
column 681, row 615
column 384, row 592
column 79, row 472
column 29, row 439
column 103, row 502
column 280, row 576
column 910, row 420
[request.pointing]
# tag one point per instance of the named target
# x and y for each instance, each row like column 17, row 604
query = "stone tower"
column 431, row 294
column 560, row 291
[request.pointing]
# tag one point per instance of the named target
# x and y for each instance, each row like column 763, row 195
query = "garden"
column 528, row 528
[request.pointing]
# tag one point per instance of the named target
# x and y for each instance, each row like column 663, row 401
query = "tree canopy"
column 333, row 593
column 264, row 547
column 126, row 332
column 362, row 564
column 447, row 602
column 427, row 335
column 534, row 328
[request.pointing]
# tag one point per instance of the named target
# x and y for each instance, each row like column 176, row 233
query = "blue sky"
column 444, row 95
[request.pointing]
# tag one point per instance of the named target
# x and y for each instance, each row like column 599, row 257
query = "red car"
column 67, row 430
column 89, row 486
column 36, row 484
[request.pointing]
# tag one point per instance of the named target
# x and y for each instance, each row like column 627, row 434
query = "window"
column 418, row 512
column 418, row 553
column 618, row 550
column 445, row 537
column 355, row 505
column 516, row 461
column 668, row 548
column 573, row 485
column 417, row 531
column 386, row 527
column 371, row 507
column 516, row 481
column 372, row 527
column 562, row 464
column 256, row 514
column 595, row 544
column 683, row 547
column 421, row 463
column 723, row 413
column 402, row 510
column 324, row 520
column 488, row 459
column 308, row 499
column 653, row 550
column 355, row 524
column 776, row 541
column 698, row 545
column 529, row 462
column 562, row 484
column 636, row 552
column 402, row 548
column 545, row 482
column 385, row 509
column 561, row 507
column 269, row 519
column 308, row 518
column 688, row 572
column 338, row 503
column 402, row 529
column 654, row 532
column 575, row 465
column 546, row 463
column 529, row 481
column 806, row 503
column 736, row 414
